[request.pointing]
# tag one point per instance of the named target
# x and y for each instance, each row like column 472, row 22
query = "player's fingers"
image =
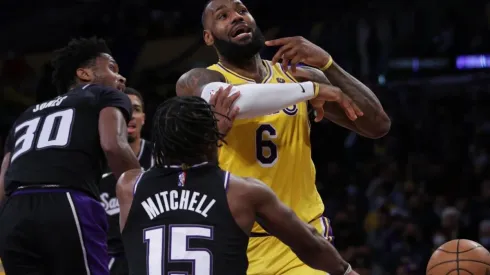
column 221, row 97
column 294, row 62
column 349, row 111
column 319, row 113
column 357, row 110
column 287, row 57
column 234, row 113
column 278, row 42
column 279, row 54
column 230, row 100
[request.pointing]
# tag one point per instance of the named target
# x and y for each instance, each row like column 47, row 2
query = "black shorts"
column 118, row 265
column 53, row 231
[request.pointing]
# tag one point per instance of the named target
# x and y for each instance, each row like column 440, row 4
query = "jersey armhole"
column 138, row 179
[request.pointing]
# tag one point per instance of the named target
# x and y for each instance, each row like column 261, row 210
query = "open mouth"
column 131, row 128
column 241, row 31
column 121, row 87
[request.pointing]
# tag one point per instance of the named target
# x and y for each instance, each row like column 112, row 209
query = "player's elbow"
column 381, row 127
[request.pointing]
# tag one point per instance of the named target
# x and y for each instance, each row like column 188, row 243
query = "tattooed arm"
column 374, row 124
column 192, row 82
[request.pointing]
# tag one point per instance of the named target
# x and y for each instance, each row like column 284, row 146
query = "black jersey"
column 57, row 142
column 180, row 222
column 109, row 199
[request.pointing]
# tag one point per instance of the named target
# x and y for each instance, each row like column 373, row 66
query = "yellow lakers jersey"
column 274, row 149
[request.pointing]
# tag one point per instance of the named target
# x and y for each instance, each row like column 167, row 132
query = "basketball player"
column 52, row 221
column 118, row 264
column 187, row 216
column 270, row 138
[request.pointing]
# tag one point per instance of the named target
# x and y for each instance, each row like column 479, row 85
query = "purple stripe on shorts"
column 93, row 224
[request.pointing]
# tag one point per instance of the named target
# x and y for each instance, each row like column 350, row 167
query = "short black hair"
column 185, row 132
column 203, row 15
column 78, row 53
column 132, row 91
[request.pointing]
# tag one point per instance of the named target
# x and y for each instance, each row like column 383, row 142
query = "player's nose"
column 237, row 18
column 122, row 79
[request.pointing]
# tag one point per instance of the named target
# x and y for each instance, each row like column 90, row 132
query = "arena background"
column 391, row 200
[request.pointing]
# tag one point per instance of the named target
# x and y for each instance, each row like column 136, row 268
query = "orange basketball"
column 459, row 257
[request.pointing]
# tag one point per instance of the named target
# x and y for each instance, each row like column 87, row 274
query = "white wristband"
column 263, row 99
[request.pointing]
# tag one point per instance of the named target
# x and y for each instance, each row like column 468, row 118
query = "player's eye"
column 243, row 11
column 113, row 68
column 221, row 16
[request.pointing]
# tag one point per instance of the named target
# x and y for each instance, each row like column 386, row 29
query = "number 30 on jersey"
column 54, row 132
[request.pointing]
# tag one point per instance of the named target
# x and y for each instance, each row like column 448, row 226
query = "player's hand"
column 222, row 104
column 297, row 49
column 329, row 93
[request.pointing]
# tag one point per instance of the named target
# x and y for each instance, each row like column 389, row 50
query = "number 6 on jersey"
column 178, row 249
column 266, row 149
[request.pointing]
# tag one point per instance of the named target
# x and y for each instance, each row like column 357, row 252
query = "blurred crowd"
column 392, row 200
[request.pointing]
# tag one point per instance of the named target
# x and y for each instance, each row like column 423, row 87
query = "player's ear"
column 144, row 118
column 208, row 38
column 85, row 74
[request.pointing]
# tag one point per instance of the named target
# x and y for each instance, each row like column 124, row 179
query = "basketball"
column 459, row 257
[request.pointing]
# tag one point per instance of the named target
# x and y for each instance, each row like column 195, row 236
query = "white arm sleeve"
column 263, row 99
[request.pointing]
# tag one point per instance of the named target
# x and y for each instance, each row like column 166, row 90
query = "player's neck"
column 136, row 146
column 253, row 68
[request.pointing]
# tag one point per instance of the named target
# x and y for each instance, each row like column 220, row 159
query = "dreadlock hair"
column 133, row 91
column 77, row 54
column 185, row 132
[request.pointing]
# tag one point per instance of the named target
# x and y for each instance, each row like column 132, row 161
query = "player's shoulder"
column 191, row 82
column 246, row 185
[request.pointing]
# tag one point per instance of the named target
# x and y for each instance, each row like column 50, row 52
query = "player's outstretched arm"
column 114, row 141
column 124, row 192
column 280, row 221
column 254, row 99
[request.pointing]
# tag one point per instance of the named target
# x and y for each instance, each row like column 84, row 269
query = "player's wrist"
column 316, row 89
column 328, row 63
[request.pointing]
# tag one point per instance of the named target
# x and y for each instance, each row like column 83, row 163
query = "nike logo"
column 303, row 89
column 106, row 175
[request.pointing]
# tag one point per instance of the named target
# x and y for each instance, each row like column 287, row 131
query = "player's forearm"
column 263, row 99
column 320, row 254
column 121, row 158
column 375, row 123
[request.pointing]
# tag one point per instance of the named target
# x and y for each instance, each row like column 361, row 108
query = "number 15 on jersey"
column 178, row 249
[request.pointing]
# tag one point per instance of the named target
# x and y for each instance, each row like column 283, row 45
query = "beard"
column 131, row 139
column 240, row 53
